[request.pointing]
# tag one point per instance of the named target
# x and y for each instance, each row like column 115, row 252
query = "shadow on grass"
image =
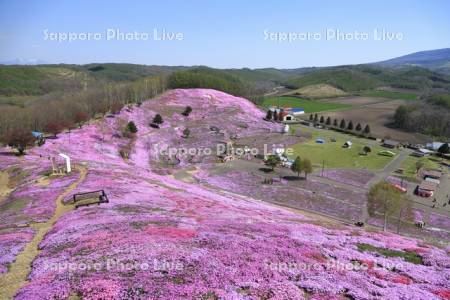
column 293, row 178
column 7, row 153
column 266, row 170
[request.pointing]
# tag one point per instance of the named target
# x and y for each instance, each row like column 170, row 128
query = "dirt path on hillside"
column 4, row 189
column 18, row 271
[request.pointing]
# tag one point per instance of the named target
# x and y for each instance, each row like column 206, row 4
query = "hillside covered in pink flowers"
column 161, row 237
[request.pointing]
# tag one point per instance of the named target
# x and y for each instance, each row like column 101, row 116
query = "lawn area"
column 309, row 106
column 390, row 95
column 409, row 165
column 409, row 256
column 334, row 155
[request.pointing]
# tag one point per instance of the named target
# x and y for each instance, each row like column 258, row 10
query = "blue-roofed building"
column 37, row 134
column 297, row 111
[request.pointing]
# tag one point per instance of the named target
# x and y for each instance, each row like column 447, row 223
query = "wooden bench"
column 88, row 198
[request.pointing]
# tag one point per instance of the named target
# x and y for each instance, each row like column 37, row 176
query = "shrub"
column 131, row 127
column 80, row 117
column 158, row 119
column 187, row 111
column 306, row 167
column 272, row 161
column 186, row 132
column 54, row 128
column 297, row 166
column 366, row 149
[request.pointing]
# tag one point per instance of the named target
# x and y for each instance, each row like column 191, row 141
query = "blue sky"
column 221, row 33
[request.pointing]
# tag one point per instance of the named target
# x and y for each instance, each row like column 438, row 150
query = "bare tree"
column 385, row 199
column 18, row 138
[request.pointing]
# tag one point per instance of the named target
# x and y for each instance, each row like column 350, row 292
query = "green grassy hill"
column 317, row 91
column 344, row 78
column 367, row 77
column 125, row 72
column 19, row 80
column 45, row 79
column 204, row 77
column 37, row 80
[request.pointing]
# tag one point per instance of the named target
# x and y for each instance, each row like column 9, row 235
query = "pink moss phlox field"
column 283, row 191
column 439, row 220
column 161, row 238
column 33, row 201
column 11, row 243
column 358, row 178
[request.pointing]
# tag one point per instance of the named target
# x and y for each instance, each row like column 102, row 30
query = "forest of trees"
column 66, row 110
column 431, row 116
column 70, row 107
column 203, row 77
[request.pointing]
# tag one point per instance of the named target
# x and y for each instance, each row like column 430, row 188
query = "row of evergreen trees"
column 343, row 125
column 273, row 115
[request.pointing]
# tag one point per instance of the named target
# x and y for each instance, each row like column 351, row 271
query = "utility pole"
column 323, row 166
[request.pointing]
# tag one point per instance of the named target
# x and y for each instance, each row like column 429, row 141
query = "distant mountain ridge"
column 438, row 60
column 425, row 70
column 22, row 61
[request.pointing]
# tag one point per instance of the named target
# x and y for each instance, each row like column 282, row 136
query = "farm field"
column 355, row 100
column 390, row 94
column 309, row 106
column 378, row 116
column 334, row 155
column 317, row 91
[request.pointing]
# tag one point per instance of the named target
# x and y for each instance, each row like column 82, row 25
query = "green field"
column 348, row 79
column 309, row 106
column 334, row 155
column 390, row 95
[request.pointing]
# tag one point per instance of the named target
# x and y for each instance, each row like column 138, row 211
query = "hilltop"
column 164, row 238
column 367, row 77
column 432, row 59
